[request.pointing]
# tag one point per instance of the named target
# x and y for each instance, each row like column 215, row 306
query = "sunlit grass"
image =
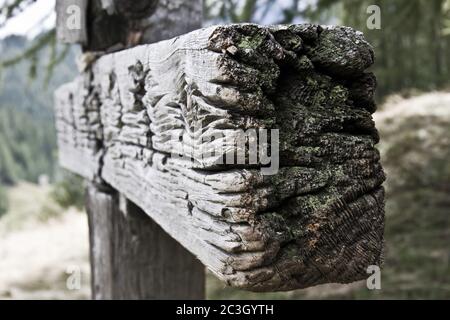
column 38, row 242
column 28, row 204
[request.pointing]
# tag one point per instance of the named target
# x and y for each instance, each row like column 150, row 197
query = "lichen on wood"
column 320, row 219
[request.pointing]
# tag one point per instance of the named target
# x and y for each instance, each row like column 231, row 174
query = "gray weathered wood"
column 132, row 258
column 172, row 18
column 120, row 24
column 319, row 219
column 70, row 14
column 101, row 206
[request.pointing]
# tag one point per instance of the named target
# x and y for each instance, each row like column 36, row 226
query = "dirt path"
column 35, row 261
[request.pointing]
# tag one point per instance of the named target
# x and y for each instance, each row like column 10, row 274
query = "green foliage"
column 69, row 191
column 27, row 132
column 47, row 39
column 42, row 43
column 237, row 11
column 4, row 203
column 49, row 210
column 26, row 147
column 446, row 30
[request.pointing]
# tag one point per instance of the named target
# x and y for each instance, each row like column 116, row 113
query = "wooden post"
column 132, row 257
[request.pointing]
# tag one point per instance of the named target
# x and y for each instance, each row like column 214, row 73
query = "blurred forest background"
column 413, row 71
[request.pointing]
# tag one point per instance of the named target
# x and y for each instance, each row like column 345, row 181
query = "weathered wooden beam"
column 132, row 258
column 319, row 219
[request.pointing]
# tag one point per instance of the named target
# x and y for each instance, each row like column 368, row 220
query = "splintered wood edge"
column 319, row 219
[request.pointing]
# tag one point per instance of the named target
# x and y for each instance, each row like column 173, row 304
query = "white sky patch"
column 33, row 20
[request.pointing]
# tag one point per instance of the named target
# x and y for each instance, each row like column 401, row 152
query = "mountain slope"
column 27, row 133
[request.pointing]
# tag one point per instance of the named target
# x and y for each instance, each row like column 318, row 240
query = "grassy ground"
column 40, row 243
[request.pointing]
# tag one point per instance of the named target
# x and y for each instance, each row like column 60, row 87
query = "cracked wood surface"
column 320, row 219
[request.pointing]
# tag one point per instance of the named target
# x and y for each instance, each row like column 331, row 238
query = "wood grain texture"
column 319, row 219
column 132, row 258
